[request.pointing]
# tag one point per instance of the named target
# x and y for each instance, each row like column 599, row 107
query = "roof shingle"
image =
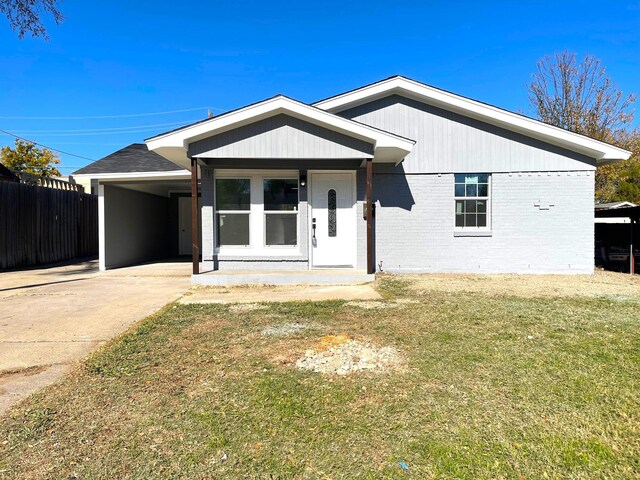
column 133, row 158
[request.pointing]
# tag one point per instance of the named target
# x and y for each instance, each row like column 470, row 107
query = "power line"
column 91, row 144
column 98, row 117
column 114, row 129
column 44, row 146
column 124, row 132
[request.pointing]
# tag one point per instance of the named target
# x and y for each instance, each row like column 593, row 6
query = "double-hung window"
column 472, row 200
column 233, row 211
column 280, row 212
column 256, row 212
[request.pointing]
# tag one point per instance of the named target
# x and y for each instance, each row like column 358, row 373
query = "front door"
column 333, row 242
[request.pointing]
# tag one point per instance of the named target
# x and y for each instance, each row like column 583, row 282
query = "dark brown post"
column 195, row 249
column 370, row 262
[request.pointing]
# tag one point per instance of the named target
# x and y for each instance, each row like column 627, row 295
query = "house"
column 396, row 176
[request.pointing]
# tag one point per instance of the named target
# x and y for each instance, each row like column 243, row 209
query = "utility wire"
column 89, row 144
column 114, row 129
column 44, row 146
column 97, row 117
column 142, row 130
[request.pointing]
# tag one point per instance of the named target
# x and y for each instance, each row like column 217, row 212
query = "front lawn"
column 491, row 386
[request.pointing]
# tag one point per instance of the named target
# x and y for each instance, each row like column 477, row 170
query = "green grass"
column 493, row 387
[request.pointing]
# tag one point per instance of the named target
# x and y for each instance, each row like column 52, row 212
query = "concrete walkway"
column 53, row 317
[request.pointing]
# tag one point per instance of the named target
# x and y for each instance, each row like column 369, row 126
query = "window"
column 472, row 192
column 233, row 211
column 280, row 200
column 256, row 212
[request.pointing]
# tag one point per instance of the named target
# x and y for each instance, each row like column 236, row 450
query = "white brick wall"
column 415, row 225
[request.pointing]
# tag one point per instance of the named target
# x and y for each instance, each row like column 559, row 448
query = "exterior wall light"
column 303, row 180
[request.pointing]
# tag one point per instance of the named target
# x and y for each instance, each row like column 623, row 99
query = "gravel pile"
column 351, row 356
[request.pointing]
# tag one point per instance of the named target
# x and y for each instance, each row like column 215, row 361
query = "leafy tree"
column 580, row 97
column 26, row 15
column 27, row 158
column 621, row 181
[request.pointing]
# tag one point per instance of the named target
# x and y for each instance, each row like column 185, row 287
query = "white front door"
column 184, row 225
column 333, row 212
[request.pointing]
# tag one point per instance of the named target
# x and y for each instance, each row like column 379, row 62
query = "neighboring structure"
column 396, row 175
column 616, row 234
column 8, row 175
column 613, row 205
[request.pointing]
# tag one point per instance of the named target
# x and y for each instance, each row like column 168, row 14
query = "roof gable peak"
column 602, row 152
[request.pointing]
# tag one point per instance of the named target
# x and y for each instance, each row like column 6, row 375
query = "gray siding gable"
column 281, row 137
column 447, row 142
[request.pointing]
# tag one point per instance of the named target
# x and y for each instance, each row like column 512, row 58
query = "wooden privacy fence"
column 40, row 225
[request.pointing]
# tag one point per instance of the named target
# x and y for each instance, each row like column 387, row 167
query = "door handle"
column 313, row 227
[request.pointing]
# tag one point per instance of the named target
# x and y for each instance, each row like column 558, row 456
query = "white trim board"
column 169, row 175
column 602, row 152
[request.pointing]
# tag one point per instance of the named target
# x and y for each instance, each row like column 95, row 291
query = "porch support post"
column 369, row 207
column 195, row 253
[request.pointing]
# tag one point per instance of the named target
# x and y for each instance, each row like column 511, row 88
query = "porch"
column 344, row 276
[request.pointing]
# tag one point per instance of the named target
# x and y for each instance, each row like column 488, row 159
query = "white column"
column 102, row 247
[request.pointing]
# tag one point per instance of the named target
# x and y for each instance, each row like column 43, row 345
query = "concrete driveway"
column 52, row 317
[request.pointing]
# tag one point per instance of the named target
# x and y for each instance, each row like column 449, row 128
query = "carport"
column 144, row 207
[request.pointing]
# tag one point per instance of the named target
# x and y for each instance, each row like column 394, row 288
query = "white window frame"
column 487, row 199
column 216, row 212
column 257, row 215
column 279, row 212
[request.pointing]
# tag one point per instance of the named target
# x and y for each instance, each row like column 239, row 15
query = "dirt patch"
column 280, row 293
column 611, row 285
column 330, row 341
column 379, row 305
column 370, row 305
column 342, row 355
column 285, row 330
column 27, row 371
column 246, row 307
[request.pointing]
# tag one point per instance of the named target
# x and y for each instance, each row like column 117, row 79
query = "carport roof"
column 135, row 158
column 628, row 212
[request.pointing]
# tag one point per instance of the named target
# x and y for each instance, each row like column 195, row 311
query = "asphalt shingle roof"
column 133, row 158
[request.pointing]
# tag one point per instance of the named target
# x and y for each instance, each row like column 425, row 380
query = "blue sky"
column 120, row 58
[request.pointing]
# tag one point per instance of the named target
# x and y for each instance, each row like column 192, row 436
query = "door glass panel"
column 331, row 213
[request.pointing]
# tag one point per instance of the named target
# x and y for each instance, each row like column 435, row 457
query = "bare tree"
column 579, row 97
column 26, row 15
